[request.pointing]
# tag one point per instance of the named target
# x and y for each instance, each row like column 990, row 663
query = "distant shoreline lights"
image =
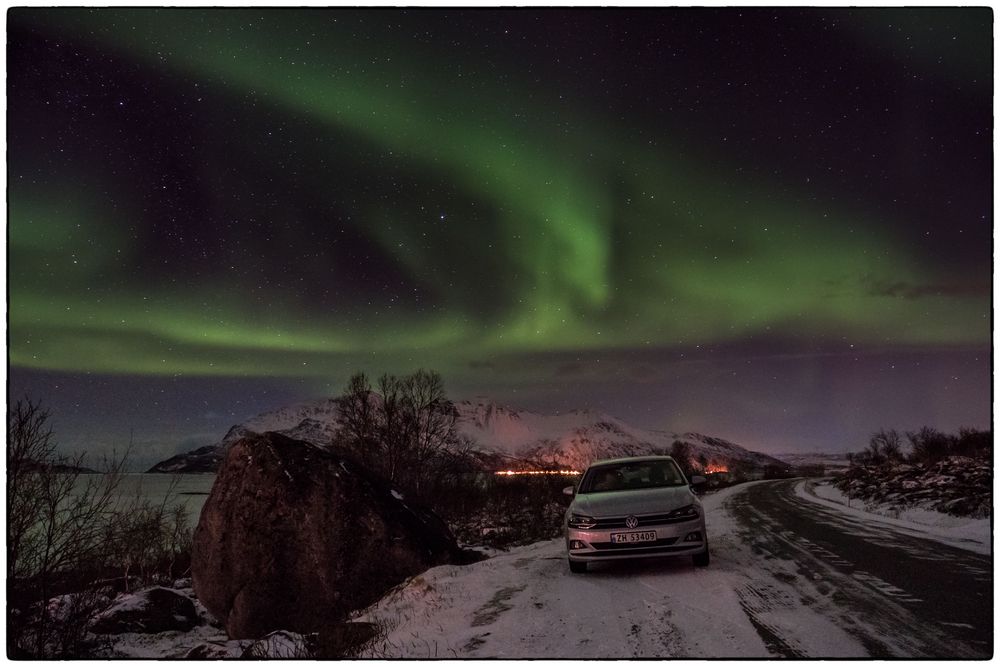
column 511, row 473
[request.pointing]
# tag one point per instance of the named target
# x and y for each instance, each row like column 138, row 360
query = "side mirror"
column 697, row 480
column 569, row 491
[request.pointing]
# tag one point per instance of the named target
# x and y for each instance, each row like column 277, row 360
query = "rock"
column 70, row 606
column 293, row 537
column 150, row 611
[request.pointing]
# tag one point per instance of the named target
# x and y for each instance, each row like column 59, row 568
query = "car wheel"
column 702, row 559
column 577, row 567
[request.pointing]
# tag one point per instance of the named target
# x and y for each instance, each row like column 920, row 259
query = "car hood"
column 637, row 501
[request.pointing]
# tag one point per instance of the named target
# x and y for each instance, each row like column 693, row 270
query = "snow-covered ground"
column 769, row 592
column 169, row 645
column 526, row 604
column 174, row 644
column 963, row 532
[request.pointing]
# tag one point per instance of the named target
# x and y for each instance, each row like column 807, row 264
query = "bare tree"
column 429, row 420
column 400, row 428
column 680, row 451
column 930, row 445
column 973, row 442
column 394, row 438
column 358, row 419
column 54, row 516
column 29, row 445
column 886, row 445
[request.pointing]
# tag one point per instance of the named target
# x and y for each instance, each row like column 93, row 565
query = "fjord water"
column 190, row 490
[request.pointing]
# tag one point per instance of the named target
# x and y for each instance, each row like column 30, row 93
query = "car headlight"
column 581, row 521
column 686, row 512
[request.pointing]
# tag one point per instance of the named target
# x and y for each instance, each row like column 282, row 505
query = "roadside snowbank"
column 962, row 532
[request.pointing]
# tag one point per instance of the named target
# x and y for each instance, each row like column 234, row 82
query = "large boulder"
column 293, row 537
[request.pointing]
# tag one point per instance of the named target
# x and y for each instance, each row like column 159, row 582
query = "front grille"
column 643, row 551
column 647, row 520
column 609, row 546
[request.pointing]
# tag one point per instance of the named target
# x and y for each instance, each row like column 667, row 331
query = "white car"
column 634, row 508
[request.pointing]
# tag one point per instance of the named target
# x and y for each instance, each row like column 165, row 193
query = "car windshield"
column 631, row 475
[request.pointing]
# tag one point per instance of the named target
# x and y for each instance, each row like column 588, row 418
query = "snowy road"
column 898, row 594
column 789, row 578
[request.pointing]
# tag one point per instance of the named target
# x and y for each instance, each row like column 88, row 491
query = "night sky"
column 769, row 225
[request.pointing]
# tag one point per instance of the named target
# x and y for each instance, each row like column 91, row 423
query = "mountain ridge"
column 566, row 440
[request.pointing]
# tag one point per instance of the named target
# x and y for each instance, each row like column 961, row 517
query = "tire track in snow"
column 757, row 601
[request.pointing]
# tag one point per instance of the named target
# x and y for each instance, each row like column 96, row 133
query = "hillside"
column 830, row 462
column 570, row 440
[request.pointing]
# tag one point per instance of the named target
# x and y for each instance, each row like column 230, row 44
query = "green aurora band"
column 592, row 239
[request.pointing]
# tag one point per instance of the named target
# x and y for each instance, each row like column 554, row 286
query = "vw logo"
column 631, row 522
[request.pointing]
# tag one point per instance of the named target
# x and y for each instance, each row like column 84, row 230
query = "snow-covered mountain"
column 313, row 421
column 574, row 439
column 570, row 440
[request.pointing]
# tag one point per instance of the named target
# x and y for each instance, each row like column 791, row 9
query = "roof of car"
column 631, row 459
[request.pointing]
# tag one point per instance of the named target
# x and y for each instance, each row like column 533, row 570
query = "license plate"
column 629, row 538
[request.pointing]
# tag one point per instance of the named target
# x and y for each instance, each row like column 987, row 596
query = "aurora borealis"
column 769, row 225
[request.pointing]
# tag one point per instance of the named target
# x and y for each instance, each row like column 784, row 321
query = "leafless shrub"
column 500, row 511
column 69, row 620
column 67, row 529
column 681, row 452
column 380, row 647
column 149, row 541
column 340, row 640
column 55, row 526
column 945, row 472
column 284, row 646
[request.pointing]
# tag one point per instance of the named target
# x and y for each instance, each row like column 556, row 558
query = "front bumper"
column 595, row 545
